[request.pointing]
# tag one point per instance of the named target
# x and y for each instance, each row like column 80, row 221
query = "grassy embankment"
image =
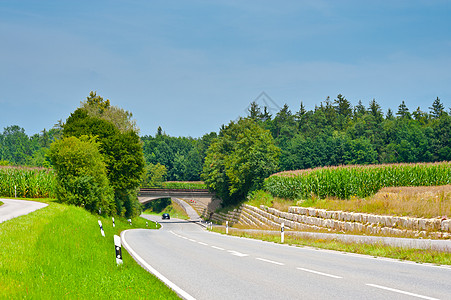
column 58, row 253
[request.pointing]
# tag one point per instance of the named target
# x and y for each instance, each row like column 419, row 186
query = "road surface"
column 207, row 265
column 15, row 208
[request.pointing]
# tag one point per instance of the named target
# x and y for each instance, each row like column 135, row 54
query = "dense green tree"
column 239, row 160
column 375, row 110
column 97, row 107
column 15, row 145
column 154, row 176
column 403, row 111
column 122, row 149
column 437, row 108
column 359, row 110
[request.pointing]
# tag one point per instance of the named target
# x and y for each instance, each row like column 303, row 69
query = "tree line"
column 237, row 158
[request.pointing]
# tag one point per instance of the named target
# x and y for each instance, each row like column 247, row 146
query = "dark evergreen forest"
column 334, row 133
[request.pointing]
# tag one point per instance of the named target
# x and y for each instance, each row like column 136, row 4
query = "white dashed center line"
column 236, row 253
column 319, row 273
column 400, row 292
column 271, row 261
column 218, row 248
column 203, row 243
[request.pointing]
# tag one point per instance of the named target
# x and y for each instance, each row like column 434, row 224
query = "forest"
column 333, row 133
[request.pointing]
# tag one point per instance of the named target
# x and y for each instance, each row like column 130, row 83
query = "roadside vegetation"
column 26, row 182
column 184, row 185
column 376, row 250
column 58, row 253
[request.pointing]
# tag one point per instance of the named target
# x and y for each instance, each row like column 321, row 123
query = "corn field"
column 361, row 181
column 27, row 182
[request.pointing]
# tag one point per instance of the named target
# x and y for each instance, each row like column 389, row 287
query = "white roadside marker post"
column 101, row 228
column 118, row 248
column 147, row 224
column 114, row 225
column 130, row 221
column 15, row 191
column 282, row 233
column 227, row 227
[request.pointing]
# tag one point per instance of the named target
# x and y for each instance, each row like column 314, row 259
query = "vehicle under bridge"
column 201, row 200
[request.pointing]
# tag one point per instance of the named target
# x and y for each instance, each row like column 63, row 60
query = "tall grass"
column 361, row 181
column 58, row 253
column 27, row 182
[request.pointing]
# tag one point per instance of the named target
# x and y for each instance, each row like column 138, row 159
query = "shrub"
column 81, row 174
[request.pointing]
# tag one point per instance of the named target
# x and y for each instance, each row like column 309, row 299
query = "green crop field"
column 58, row 253
column 27, row 182
column 361, row 181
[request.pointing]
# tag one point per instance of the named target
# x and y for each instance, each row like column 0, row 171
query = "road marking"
column 217, row 248
column 271, row 261
column 203, row 243
column 401, row 292
column 191, row 240
column 169, row 283
column 236, row 253
column 319, row 273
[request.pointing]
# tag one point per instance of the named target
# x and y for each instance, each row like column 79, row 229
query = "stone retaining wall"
column 301, row 218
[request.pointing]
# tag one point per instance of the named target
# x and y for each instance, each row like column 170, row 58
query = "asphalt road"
column 15, row 208
column 207, row 265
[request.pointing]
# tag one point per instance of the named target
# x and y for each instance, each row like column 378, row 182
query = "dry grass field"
column 421, row 202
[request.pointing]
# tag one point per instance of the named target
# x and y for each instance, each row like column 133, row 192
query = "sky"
column 192, row 66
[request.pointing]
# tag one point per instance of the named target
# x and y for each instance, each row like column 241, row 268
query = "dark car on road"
column 165, row 216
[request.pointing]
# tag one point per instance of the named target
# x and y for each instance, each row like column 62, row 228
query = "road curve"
column 15, row 208
column 206, row 265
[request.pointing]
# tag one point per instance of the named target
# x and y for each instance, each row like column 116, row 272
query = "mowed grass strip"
column 376, row 250
column 58, row 253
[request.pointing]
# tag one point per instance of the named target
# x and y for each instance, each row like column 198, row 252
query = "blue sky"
column 191, row 66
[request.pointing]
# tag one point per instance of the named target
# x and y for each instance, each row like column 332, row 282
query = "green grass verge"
column 58, row 253
column 377, row 250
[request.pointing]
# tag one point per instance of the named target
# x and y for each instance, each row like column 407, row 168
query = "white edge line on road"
column 218, row 248
column 271, row 261
column 401, row 292
column 319, row 273
column 143, row 263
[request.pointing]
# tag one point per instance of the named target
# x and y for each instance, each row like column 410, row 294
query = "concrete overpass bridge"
column 201, row 200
